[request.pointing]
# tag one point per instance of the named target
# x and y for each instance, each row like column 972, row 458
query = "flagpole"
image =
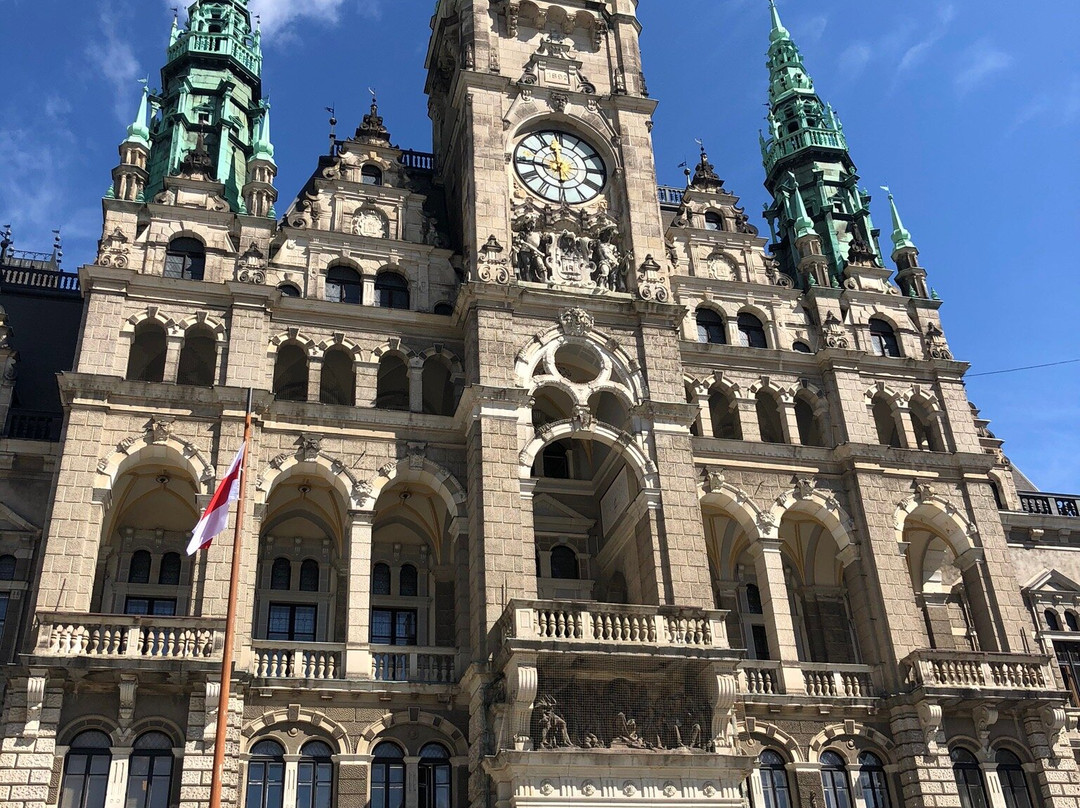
column 230, row 624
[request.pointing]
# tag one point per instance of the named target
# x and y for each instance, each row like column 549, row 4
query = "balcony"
column 812, row 679
column 968, row 670
column 1040, row 504
column 399, row 663
column 295, row 660
column 69, row 636
column 33, row 425
column 573, row 625
column 245, row 54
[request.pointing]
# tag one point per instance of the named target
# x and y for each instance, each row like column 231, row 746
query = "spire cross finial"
column 778, row 29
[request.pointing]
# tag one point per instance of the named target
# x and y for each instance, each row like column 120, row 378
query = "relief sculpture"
column 568, row 249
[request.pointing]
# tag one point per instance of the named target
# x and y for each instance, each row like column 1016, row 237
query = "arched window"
column 150, row 769
column 309, row 575
column 380, row 579
column 753, row 599
column 438, row 387
column 557, row 461
column 1013, row 780
column 281, row 574
column 774, row 780
column 289, row 290
column 315, row 776
column 710, row 327
column 888, row 430
column 198, row 357
column 434, row 777
column 834, row 779
column 338, row 382
column 872, row 781
column 925, row 428
column 769, row 420
column 724, row 414
column 344, row 285
column 969, row 779
column 1052, row 621
column 139, row 569
column 751, row 332
column 408, row 581
column 86, row 771
column 391, row 291
column 810, row 429
column 1071, row 620
column 801, row 347
column 291, row 373
column 714, row 221
column 387, row 777
column 7, row 568
column 883, row 338
column 266, row 776
column 169, row 572
column 392, row 390
column 146, row 361
column 443, row 309
column 564, row 563
column 185, row 258
column 371, row 175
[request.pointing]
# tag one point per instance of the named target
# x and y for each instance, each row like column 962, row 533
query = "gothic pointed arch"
column 418, row 469
column 821, row 505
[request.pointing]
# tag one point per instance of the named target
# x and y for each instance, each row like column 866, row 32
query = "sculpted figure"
column 530, row 250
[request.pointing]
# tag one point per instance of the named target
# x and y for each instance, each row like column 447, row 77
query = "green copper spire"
column 806, row 148
column 778, row 29
column 803, row 224
column 139, row 132
column 901, row 237
column 264, row 149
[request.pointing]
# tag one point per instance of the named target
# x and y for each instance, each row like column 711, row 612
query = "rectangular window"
column 393, row 626
column 4, row 596
column 291, row 622
column 158, row 607
column 1068, row 654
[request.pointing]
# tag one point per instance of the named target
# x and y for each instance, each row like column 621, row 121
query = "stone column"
column 926, row 776
column 314, row 379
column 980, row 593
column 701, row 401
column 358, row 609
column 416, row 385
column 292, row 767
column 807, row 777
column 351, row 787
column 993, row 782
column 412, row 781
column 367, row 383
column 907, row 429
column 748, row 422
column 769, row 565
column 174, row 343
column 1054, row 774
column 788, row 420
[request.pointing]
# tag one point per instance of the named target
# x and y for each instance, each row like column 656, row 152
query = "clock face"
column 560, row 167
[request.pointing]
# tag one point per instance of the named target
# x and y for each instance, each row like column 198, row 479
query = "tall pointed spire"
column 802, row 224
column 778, row 29
column 901, row 236
column 139, row 131
column 264, row 148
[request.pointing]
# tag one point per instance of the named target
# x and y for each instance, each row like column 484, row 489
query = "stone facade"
column 548, row 503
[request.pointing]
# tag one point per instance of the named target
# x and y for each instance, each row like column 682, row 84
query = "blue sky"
column 968, row 109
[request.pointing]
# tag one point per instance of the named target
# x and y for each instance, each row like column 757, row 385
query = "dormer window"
column 185, row 258
column 714, row 221
column 371, row 175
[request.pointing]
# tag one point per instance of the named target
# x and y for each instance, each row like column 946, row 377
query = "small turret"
column 259, row 192
column 910, row 276
column 130, row 176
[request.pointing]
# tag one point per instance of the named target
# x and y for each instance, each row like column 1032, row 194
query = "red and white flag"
column 216, row 517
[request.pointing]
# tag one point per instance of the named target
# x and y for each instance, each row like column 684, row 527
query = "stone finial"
column 371, row 129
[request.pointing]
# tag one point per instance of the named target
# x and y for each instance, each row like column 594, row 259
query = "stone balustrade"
column 399, row 663
column 819, row 680
column 584, row 622
column 67, row 636
column 983, row 671
column 296, row 660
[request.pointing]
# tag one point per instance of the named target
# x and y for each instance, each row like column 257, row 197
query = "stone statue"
column 553, row 732
column 530, row 250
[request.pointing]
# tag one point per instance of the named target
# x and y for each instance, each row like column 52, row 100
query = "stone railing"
column 1042, row 504
column 26, row 274
column 669, row 197
column 33, row 425
column 69, row 636
column 246, row 53
column 583, row 622
column 296, row 660
column 399, row 663
column 818, row 680
column 968, row 669
column 838, row 681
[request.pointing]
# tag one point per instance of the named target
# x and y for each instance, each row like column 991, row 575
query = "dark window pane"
column 711, row 327
column 752, row 332
column 137, row 606
column 7, row 568
column 139, row 571
column 169, row 574
column 309, row 576
column 408, row 584
column 391, row 291
column 281, row 574
column 280, row 622
column 344, row 285
column 564, row 563
column 380, row 580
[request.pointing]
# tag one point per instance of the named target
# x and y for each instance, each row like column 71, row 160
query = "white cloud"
column 915, row 54
column 854, row 59
column 275, row 15
column 113, row 59
column 981, row 61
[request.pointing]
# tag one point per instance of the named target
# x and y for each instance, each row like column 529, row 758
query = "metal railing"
column 776, row 150
column 1050, row 504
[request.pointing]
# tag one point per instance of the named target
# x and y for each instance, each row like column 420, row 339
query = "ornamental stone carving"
column 252, row 266
column 568, row 248
column 650, row 282
column 936, row 347
column 491, row 265
column 834, row 333
column 371, row 223
column 576, row 322
column 114, row 250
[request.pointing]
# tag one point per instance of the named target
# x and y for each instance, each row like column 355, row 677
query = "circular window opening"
column 577, row 364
